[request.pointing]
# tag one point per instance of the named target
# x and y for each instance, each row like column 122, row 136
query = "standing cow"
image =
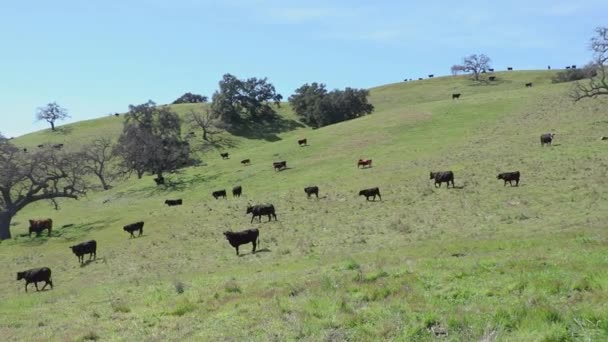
column 303, row 142
column 89, row 247
column 509, row 177
column 219, row 193
column 364, row 163
column 546, row 139
column 279, row 166
column 443, row 177
column 261, row 209
column 243, row 237
column 37, row 226
column 237, row 191
column 133, row 227
column 36, row 275
column 312, row 190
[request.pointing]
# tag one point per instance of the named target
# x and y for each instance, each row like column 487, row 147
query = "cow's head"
column 227, row 234
column 362, row 193
column 249, row 209
column 20, row 275
column 433, row 175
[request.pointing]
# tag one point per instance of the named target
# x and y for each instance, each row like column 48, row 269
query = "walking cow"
column 364, row 163
column 312, row 190
column 89, row 247
column 443, row 177
column 36, row 275
column 371, row 192
column 219, row 193
column 546, row 139
column 261, row 209
column 133, row 227
column 303, row 142
column 509, row 177
column 243, row 237
column 278, row 166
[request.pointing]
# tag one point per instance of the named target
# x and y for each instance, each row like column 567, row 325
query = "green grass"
column 530, row 261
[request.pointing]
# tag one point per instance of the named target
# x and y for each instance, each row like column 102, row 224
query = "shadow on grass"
column 267, row 131
column 263, row 250
column 64, row 130
column 91, row 261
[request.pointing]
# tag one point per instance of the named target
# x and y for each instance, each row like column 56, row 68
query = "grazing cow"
column 89, row 247
column 40, row 146
column 510, row 69
column 491, row 70
column 312, row 190
column 219, row 193
column 173, row 202
column 243, row 237
column 370, row 192
column 261, row 209
column 246, row 162
column 225, row 155
column 159, row 180
column 529, row 85
column 302, row 142
column 509, row 177
column 133, row 227
column 546, row 139
column 364, row 163
column 431, row 76
column 237, row 191
column 455, row 96
column 492, row 78
column 278, row 166
column 36, row 275
column 443, row 177
column 37, row 226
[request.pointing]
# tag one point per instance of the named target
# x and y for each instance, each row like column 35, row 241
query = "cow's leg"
column 254, row 245
column 252, row 216
column 50, row 282
column 26, row 284
column 237, row 250
column 517, row 182
column 275, row 216
column 317, row 194
column 46, row 282
column 36, row 284
column 380, row 197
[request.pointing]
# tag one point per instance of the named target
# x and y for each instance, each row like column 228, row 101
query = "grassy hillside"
column 479, row 262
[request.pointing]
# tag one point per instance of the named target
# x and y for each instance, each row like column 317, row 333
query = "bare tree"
column 205, row 122
column 51, row 113
column 475, row 64
column 26, row 178
column 598, row 85
column 455, row 69
column 97, row 157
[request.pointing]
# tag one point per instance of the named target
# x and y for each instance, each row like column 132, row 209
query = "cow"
column 492, row 78
column 510, row 68
column 455, row 96
column 568, row 67
column 529, row 85
column 312, row 190
column 261, row 209
column 278, row 166
column 509, row 177
column 159, row 180
column 219, row 193
column 37, row 226
column 88, row 247
column 443, row 177
column 237, row 191
column 573, row 66
column 246, row 162
column 302, row 142
column 419, row 78
column 40, row 146
column 58, row 146
column 370, row 192
column 25, row 150
column 225, row 155
column 36, row 275
column 431, row 76
column 491, row 70
column 133, row 227
column 116, row 114
column 548, row 67
column 364, row 163
column 173, row 202
column 243, row 237
column 546, row 139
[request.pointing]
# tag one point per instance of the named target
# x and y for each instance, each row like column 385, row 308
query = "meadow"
column 480, row 262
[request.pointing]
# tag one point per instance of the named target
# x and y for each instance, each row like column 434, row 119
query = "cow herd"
column 235, row 239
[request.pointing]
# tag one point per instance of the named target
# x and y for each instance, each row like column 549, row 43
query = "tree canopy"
column 51, row 113
column 191, row 98
column 475, row 64
column 598, row 83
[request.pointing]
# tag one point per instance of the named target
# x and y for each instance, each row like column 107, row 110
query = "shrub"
column 570, row 75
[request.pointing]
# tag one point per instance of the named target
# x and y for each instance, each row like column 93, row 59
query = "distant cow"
column 509, row 177
column 261, row 209
column 492, row 78
column 237, row 191
column 364, row 163
column 419, row 78
column 431, row 76
column 173, row 202
column 302, row 142
column 546, row 139
column 25, row 150
column 159, row 180
column 244, row 237
column 573, row 66
column 510, row 69
column 455, row 96
column 443, row 177
column 225, row 155
column 278, row 166
column 246, row 162
column 58, row 146
column 568, row 67
column 529, row 85
column 37, row 226
column 548, row 67
column 36, row 275
column 312, row 190
column 40, row 146
column 89, row 247
column 491, row 70
column 133, row 227
column 116, row 114
column 371, row 192
column 219, row 193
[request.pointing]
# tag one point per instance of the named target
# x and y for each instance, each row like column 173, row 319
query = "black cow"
column 173, row 202
column 455, row 96
column 36, row 275
column 240, row 238
column 219, row 193
column 116, row 114
column 546, row 139
column 312, row 190
column 237, row 191
column 225, row 155
column 573, row 66
column 492, row 78
column 419, row 78
column 529, row 85
column 25, row 150
column 302, row 142
column 40, row 146
column 370, row 192
column 431, row 76
column 133, row 227
column 37, row 226
column 548, row 67
column 246, row 162
column 443, row 177
column 509, row 177
column 89, row 247
column 261, row 209
column 159, row 180
column 491, row 70
column 568, row 67
column 510, row 69
column 278, row 166
column 58, row 146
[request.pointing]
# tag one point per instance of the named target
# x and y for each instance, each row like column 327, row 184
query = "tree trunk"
column 5, row 225
column 102, row 179
column 52, row 125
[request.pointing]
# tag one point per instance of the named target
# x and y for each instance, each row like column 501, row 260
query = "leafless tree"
column 474, row 64
column 26, row 178
column 51, row 113
column 97, row 157
column 205, row 122
column 455, row 69
column 598, row 85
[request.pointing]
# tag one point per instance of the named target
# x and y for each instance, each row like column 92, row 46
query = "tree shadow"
column 267, row 130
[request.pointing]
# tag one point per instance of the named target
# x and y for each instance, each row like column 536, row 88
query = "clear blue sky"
column 97, row 57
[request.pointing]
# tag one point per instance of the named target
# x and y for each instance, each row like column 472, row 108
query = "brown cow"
column 364, row 163
column 37, row 226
